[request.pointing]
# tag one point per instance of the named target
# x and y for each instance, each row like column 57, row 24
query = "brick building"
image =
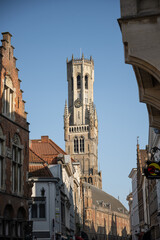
column 104, row 217
column 14, row 147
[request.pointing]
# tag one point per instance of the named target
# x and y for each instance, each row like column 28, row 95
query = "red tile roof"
column 39, row 171
column 37, row 166
column 47, row 149
column 34, row 157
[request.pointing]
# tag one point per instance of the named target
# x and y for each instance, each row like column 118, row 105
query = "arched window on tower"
column 78, row 82
column 90, row 180
column 82, row 144
column 86, row 82
column 76, row 145
column 72, row 84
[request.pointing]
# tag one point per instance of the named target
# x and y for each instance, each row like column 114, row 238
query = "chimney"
column 44, row 139
column 7, row 36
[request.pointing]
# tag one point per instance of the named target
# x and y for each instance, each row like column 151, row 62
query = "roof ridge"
column 52, row 143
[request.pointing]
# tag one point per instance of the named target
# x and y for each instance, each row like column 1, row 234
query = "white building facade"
column 52, row 208
column 134, row 207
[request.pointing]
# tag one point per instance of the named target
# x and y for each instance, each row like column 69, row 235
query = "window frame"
column 86, row 81
column 76, row 145
column 17, row 164
column 38, row 201
column 78, row 81
column 2, row 160
column 8, row 98
column 81, row 143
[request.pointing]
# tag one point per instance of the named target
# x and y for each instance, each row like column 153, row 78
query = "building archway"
column 21, row 217
column 8, row 227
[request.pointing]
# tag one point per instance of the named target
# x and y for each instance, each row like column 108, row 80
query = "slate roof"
column 47, row 149
column 99, row 195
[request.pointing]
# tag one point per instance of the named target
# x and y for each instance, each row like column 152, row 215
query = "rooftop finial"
column 72, row 57
column 137, row 140
column 91, row 58
column 67, row 60
column 82, row 56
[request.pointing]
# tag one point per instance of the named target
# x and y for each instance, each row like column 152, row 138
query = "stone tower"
column 80, row 119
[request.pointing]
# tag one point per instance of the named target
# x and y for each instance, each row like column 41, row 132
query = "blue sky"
column 45, row 33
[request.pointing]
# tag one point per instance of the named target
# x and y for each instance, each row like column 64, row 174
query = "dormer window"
column 78, row 82
column 8, row 97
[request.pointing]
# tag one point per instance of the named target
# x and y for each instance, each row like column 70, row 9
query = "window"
column 81, row 144
column 34, row 210
column 16, row 164
column 62, row 209
column 78, row 82
column 76, row 145
column 8, row 97
column 90, row 180
column 38, row 207
column 86, row 82
column 41, row 210
column 1, row 163
column 72, row 84
column 1, row 159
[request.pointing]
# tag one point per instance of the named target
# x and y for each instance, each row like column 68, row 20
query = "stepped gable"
column 37, row 166
column 47, row 149
column 99, row 195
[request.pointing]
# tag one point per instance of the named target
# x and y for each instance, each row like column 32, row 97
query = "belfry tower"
column 80, row 119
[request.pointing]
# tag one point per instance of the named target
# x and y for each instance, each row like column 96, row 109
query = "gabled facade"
column 14, row 147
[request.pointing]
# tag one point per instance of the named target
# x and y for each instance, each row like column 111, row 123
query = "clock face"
column 78, row 103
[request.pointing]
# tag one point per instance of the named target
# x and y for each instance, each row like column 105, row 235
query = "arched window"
column 8, row 97
column 72, row 84
column 78, row 82
column 8, row 216
column 21, row 216
column 86, row 82
column 76, row 145
column 16, row 164
column 81, row 144
column 90, row 180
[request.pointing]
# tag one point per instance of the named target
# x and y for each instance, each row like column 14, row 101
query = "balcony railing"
column 83, row 128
